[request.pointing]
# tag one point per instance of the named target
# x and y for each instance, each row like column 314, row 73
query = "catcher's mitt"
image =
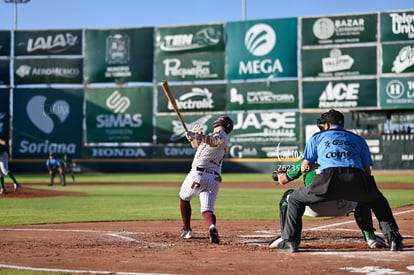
column 274, row 173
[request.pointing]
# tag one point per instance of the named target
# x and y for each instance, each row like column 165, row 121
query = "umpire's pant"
column 338, row 183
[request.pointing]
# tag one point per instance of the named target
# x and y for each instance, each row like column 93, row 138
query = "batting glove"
column 190, row 135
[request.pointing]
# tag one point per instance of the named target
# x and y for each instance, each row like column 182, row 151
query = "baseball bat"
column 170, row 96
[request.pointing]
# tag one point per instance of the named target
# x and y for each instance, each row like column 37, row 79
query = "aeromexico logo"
column 42, row 114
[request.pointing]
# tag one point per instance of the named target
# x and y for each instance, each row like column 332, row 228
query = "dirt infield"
column 331, row 246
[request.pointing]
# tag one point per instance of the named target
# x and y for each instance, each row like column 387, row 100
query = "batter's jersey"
column 337, row 147
column 211, row 157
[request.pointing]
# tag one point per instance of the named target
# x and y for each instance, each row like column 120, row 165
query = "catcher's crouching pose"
column 335, row 208
column 205, row 176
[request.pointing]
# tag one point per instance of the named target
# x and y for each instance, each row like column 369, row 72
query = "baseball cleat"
column 275, row 242
column 3, row 191
column 187, row 234
column 377, row 242
column 287, row 246
column 17, row 186
column 213, row 235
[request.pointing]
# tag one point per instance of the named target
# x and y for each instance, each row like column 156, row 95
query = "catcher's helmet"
column 225, row 122
column 333, row 117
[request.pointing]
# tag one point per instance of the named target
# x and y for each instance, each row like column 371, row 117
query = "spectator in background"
column 68, row 167
column 54, row 166
column 4, row 168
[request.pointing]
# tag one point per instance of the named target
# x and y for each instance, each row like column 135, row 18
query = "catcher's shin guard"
column 283, row 208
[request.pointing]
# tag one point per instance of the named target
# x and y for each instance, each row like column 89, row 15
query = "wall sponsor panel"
column 48, row 42
column 396, row 92
column 262, row 49
column 340, row 94
column 48, row 71
column 194, row 98
column 119, row 55
column 355, row 28
column 119, row 115
column 263, row 95
column 47, row 120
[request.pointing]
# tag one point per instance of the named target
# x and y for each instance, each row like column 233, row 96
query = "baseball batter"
column 335, row 208
column 4, row 168
column 204, row 178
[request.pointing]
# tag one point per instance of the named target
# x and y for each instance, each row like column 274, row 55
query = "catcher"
column 336, row 208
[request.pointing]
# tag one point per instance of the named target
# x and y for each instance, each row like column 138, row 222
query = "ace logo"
column 339, row 95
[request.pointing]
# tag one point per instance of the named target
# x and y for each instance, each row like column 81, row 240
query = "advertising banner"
column 397, row 93
column 194, row 38
column 263, row 95
column 397, row 26
column 4, row 114
column 4, row 72
column 119, row 115
column 340, row 94
column 398, row 58
column 48, row 71
column 48, row 42
column 265, row 127
column 5, row 38
column 343, row 61
column 188, row 53
column 262, row 48
column 47, row 120
column 110, row 152
column 191, row 66
column 355, row 28
column 278, row 151
column 170, row 130
column 194, row 98
column 119, row 55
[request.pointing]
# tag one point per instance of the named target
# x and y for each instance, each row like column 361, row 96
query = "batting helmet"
column 225, row 122
column 333, row 117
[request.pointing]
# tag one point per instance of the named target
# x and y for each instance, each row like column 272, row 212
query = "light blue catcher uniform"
column 342, row 156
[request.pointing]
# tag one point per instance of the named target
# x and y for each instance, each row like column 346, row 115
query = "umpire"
column 344, row 173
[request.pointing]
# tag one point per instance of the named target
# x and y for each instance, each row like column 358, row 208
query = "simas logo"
column 55, row 44
column 198, row 98
column 205, row 37
column 178, row 129
column 118, row 104
column 395, row 89
column 260, row 40
column 340, row 95
column 117, row 49
column 323, row 28
column 403, row 60
column 41, row 114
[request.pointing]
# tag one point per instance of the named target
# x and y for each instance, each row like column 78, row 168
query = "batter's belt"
column 201, row 169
